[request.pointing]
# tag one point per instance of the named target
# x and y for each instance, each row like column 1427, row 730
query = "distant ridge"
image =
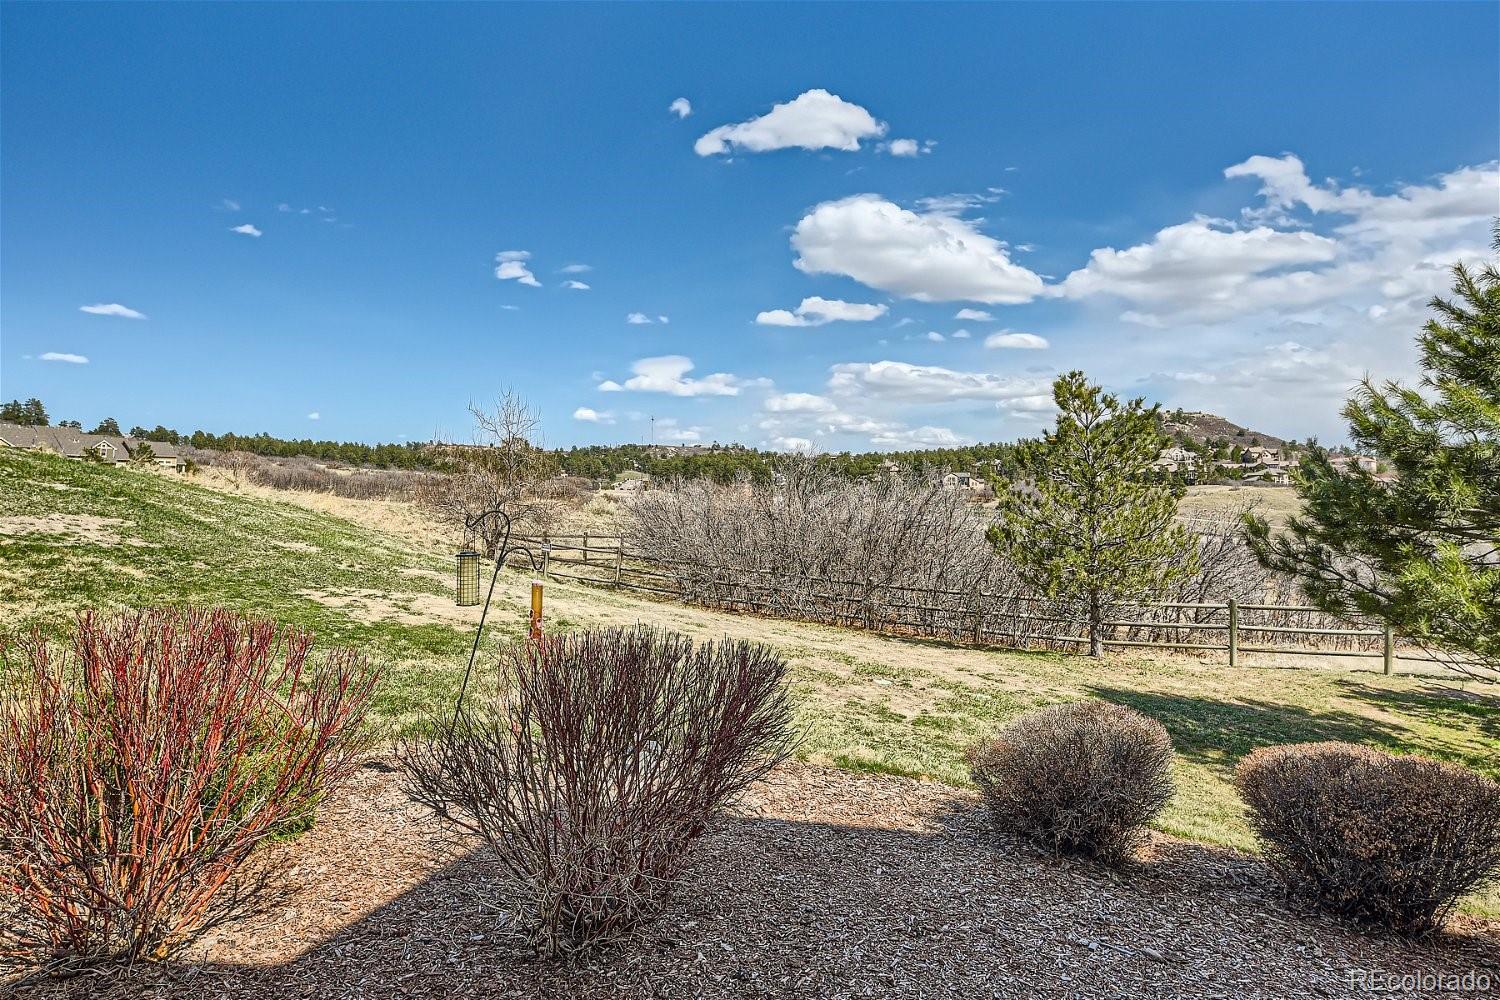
column 1202, row 428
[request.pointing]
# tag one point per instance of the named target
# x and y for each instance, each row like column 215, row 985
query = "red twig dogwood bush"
column 599, row 764
column 140, row 765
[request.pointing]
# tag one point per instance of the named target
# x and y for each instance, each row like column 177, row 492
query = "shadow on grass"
column 1434, row 704
column 1212, row 731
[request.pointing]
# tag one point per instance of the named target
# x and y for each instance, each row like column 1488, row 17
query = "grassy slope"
column 867, row 701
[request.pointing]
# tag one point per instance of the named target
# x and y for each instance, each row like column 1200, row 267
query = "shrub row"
column 1390, row 840
column 141, row 766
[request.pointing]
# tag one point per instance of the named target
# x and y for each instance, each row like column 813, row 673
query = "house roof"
column 64, row 440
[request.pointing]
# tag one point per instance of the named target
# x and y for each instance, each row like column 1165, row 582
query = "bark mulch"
column 822, row 884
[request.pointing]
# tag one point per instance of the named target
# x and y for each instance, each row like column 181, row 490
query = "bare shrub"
column 598, row 766
column 1392, row 840
column 1080, row 778
column 139, row 768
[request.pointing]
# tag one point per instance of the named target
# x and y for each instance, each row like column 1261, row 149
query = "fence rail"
column 975, row 617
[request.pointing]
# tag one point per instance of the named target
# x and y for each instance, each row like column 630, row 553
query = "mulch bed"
column 822, row 884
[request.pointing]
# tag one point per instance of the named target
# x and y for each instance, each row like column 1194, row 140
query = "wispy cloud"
column 816, row 311
column 315, row 415
column 576, row 285
column 112, row 309
column 589, row 415
column 71, row 359
column 246, row 230
column 1016, row 341
column 575, row 269
column 229, row 205
column 669, row 374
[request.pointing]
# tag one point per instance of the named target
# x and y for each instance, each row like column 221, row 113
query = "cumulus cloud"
column 898, row 380
column 576, row 285
column 246, row 230
column 919, row 437
column 638, row 319
column 1017, row 341
column 903, row 147
column 681, row 107
column 960, row 334
column 975, row 315
column 315, row 415
column 1205, row 269
column 815, row 119
column 592, row 416
column 669, row 374
column 71, row 359
column 790, row 443
column 816, row 311
column 510, row 265
column 934, row 336
column 112, row 309
column 929, row 256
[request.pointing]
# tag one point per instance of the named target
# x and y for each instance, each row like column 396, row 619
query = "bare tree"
column 504, row 468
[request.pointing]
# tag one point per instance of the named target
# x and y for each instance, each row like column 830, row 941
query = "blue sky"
column 243, row 216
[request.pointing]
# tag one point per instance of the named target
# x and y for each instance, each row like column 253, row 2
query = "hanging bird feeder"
column 468, row 578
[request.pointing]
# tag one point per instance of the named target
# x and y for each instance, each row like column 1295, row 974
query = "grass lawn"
column 866, row 701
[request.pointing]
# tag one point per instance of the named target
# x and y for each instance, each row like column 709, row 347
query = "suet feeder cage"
column 468, row 578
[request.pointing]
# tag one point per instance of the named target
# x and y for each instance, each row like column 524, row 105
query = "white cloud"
column 788, row 443
column 669, row 374
column 799, row 402
column 1205, row 270
column 919, row 437
column 229, row 205
column 815, row 119
column 576, row 285
column 315, row 415
column 71, row 359
column 815, row 311
column 283, row 207
column 960, row 335
column 932, row 256
column 510, row 265
column 638, row 319
column 898, row 380
column 1039, row 403
column 575, row 269
column 662, row 319
column 903, row 147
column 974, row 315
column 681, row 107
column 112, row 309
column 1018, row 341
column 610, row 385
column 246, row 230
column 592, row 416
column 935, row 337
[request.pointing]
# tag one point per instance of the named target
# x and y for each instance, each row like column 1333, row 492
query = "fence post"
column 1234, row 632
column 585, row 546
column 546, row 554
column 1388, row 650
column 619, row 559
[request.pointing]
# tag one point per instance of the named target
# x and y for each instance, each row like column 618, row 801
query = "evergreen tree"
column 29, row 414
column 1085, row 524
column 107, row 426
column 1423, row 552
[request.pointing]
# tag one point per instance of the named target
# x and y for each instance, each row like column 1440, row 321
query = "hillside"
column 1201, row 428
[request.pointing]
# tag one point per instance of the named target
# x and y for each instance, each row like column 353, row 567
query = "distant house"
column 111, row 449
column 1346, row 463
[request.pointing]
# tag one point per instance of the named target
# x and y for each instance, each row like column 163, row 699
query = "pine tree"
column 1422, row 552
column 1085, row 524
column 107, row 426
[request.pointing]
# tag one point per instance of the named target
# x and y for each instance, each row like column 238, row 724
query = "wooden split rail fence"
column 975, row 616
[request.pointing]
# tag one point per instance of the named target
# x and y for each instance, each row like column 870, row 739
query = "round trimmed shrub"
column 1080, row 778
column 1391, row 840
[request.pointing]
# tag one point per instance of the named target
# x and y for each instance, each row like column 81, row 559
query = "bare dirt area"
column 821, row 884
column 79, row 529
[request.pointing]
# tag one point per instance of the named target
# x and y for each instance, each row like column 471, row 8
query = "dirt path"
column 822, row 884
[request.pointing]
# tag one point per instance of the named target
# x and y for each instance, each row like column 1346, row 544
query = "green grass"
column 865, row 702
